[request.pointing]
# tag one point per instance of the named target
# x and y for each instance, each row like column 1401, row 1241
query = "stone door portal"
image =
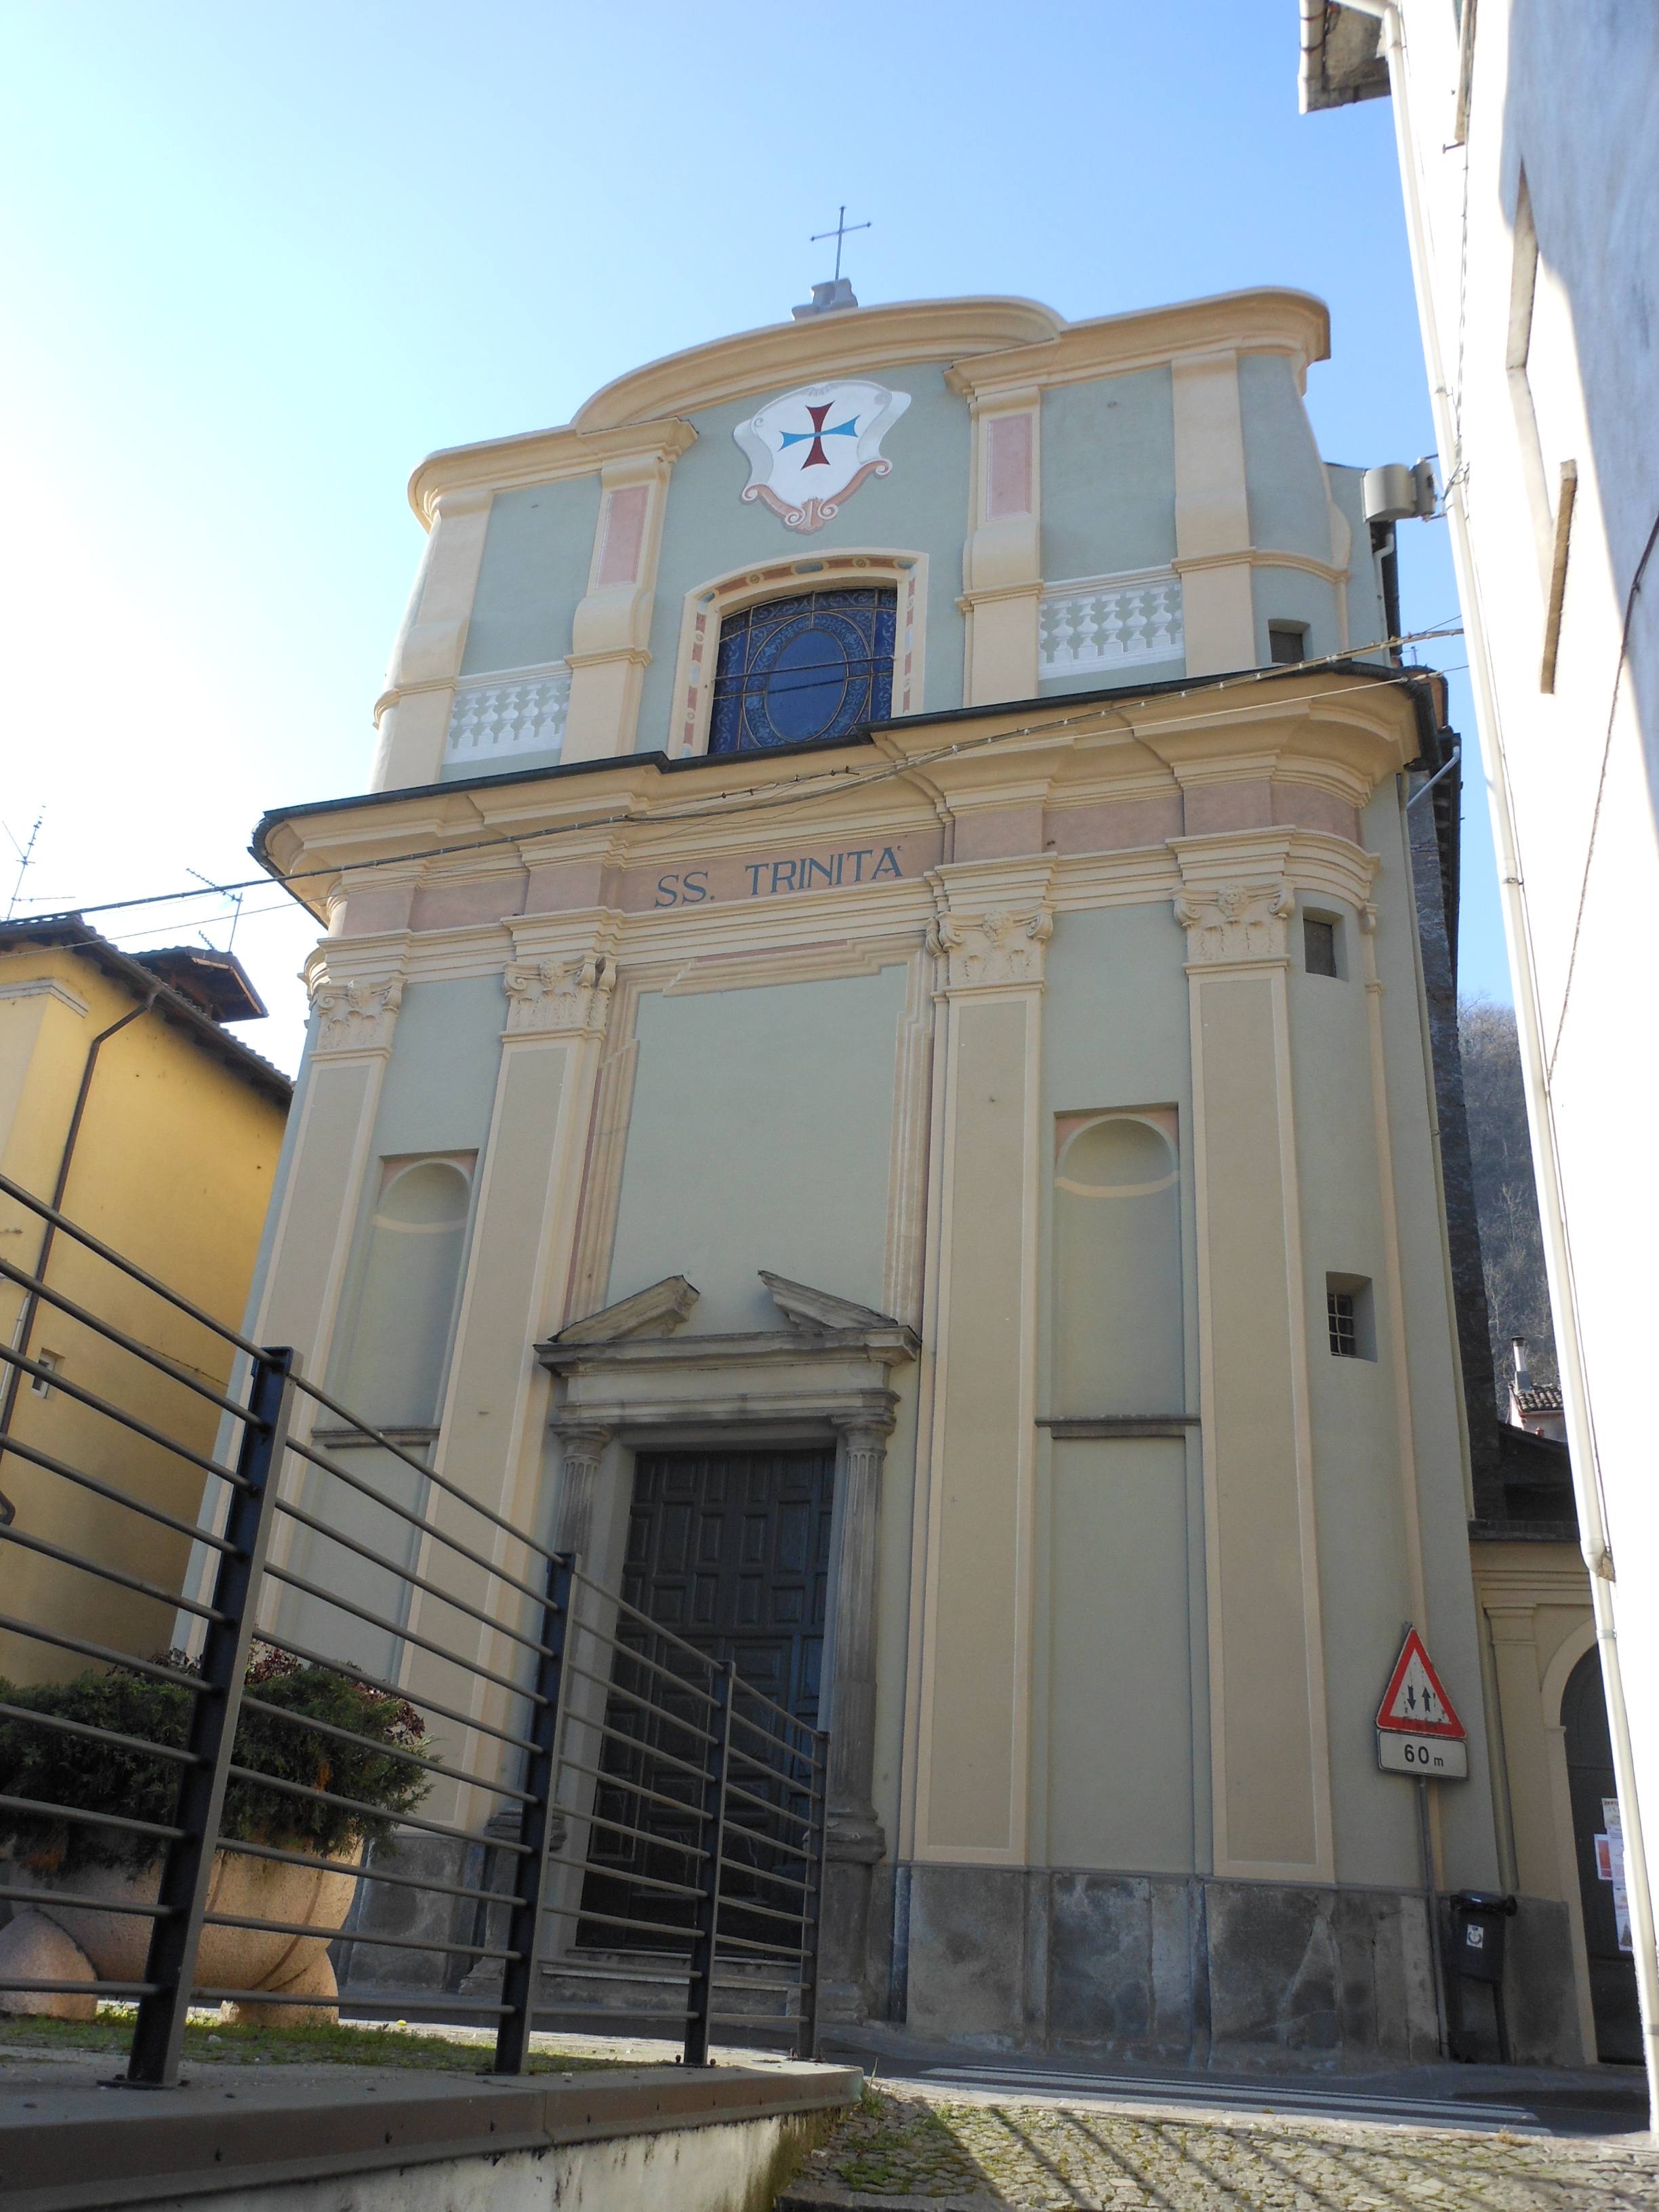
column 731, row 1551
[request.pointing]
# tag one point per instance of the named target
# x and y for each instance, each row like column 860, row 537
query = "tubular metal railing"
column 601, row 1820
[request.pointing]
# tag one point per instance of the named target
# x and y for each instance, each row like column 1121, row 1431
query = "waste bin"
column 1478, row 1920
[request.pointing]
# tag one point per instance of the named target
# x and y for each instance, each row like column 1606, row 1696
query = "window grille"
column 1339, row 1314
column 815, row 664
column 1318, row 945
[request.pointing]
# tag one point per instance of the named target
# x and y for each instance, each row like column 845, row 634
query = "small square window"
column 1348, row 1318
column 1287, row 643
column 1319, row 945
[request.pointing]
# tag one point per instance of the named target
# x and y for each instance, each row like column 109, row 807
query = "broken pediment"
column 658, row 1311
column 805, row 1308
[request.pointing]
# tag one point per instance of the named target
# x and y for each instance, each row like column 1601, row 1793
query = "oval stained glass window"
column 815, row 665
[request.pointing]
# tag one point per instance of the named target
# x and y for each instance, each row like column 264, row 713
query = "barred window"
column 1345, row 1338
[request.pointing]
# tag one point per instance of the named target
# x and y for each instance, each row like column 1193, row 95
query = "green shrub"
column 57, row 1769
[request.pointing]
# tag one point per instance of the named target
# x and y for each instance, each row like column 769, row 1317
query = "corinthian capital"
column 1235, row 922
column 356, row 1017
column 554, row 998
column 992, row 950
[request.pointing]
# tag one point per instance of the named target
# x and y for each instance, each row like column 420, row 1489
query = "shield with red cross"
column 810, row 451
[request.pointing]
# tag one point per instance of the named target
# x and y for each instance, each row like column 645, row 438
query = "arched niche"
column 1117, row 1306
column 406, row 1307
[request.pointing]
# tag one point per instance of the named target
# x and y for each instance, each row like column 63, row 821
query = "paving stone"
column 907, row 2149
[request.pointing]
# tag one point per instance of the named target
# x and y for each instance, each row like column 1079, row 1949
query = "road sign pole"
column 1431, row 1897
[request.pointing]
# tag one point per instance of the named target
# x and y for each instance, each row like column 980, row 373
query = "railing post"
column 700, row 1995
column 812, row 1903
column 536, row 1829
column 158, row 2039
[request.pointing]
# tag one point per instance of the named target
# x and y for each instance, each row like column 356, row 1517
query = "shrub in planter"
column 54, row 1768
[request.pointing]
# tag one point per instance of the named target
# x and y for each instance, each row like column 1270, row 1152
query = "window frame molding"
column 706, row 605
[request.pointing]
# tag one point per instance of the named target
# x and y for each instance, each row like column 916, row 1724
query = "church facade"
column 870, row 1070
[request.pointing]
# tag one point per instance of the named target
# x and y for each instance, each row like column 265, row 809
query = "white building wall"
column 1538, row 121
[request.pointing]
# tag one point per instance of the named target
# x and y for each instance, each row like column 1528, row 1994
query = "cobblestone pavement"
column 904, row 2146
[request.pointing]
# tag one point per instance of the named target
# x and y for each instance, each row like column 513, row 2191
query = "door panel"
column 1589, row 1780
column 731, row 1551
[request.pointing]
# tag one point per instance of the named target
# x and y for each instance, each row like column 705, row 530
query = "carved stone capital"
column 559, row 998
column 854, row 1836
column 583, row 1447
column 991, row 951
column 1235, row 922
column 356, row 1016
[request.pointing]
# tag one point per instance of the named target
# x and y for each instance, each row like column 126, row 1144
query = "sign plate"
column 1432, row 1759
column 1418, row 1730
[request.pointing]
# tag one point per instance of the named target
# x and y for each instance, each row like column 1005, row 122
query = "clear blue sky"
column 258, row 260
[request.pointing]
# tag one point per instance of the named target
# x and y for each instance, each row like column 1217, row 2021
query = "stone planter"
column 112, row 1946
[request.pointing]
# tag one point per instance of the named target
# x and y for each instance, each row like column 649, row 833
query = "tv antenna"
column 25, row 855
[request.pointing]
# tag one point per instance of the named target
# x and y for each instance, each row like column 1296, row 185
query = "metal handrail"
column 748, row 1776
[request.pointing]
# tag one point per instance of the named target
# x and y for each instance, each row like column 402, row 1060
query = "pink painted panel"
column 624, row 535
column 1007, row 466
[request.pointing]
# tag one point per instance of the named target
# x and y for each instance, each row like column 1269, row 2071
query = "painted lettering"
column 666, row 894
column 840, row 857
column 754, row 868
column 824, row 869
column 862, row 857
column 694, row 886
column 888, row 865
column 778, row 867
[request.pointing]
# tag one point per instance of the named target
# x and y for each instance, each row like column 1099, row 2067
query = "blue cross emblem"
column 818, row 457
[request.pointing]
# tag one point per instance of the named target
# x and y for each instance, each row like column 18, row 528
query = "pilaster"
column 1269, row 1750
column 1212, row 515
column 611, row 633
column 1002, row 559
column 976, row 1494
column 413, row 716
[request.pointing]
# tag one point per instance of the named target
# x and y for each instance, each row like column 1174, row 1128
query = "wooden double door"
column 730, row 1552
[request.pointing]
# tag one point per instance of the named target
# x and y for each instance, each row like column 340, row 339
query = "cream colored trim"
column 906, row 1170
column 1399, row 1342
column 1257, row 557
column 412, row 716
column 538, row 456
column 799, row 963
column 1002, row 557
column 1268, row 321
column 707, row 604
column 45, row 986
column 1213, row 519
column 988, row 936
column 611, row 631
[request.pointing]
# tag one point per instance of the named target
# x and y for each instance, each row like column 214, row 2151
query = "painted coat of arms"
column 810, row 451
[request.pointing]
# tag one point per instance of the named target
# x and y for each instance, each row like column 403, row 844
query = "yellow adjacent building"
column 126, row 1100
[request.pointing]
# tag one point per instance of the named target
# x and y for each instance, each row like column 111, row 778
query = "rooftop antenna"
column 838, row 293
column 25, row 853
column 236, row 910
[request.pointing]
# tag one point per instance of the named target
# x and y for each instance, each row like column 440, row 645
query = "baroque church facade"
column 870, row 1070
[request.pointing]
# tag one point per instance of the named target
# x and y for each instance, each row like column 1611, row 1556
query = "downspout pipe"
column 1557, row 1249
column 31, row 1305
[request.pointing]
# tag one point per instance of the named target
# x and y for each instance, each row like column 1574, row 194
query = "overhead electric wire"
column 755, row 800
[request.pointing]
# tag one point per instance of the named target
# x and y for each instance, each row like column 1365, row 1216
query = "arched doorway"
column 1589, row 1779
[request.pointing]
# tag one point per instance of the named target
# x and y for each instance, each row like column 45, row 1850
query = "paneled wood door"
column 731, row 1551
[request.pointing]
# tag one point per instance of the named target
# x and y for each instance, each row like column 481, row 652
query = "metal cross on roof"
column 843, row 229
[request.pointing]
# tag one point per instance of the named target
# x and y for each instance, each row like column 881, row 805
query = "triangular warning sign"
column 1414, row 1704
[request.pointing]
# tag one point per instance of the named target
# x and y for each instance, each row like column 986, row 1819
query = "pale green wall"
column 921, row 507
column 1109, row 476
column 759, row 1138
column 441, row 1082
column 536, row 559
column 1121, row 1661
column 1285, row 486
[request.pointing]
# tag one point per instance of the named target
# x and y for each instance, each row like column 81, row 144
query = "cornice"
column 862, row 338
column 1267, row 319
column 541, row 457
column 994, row 347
